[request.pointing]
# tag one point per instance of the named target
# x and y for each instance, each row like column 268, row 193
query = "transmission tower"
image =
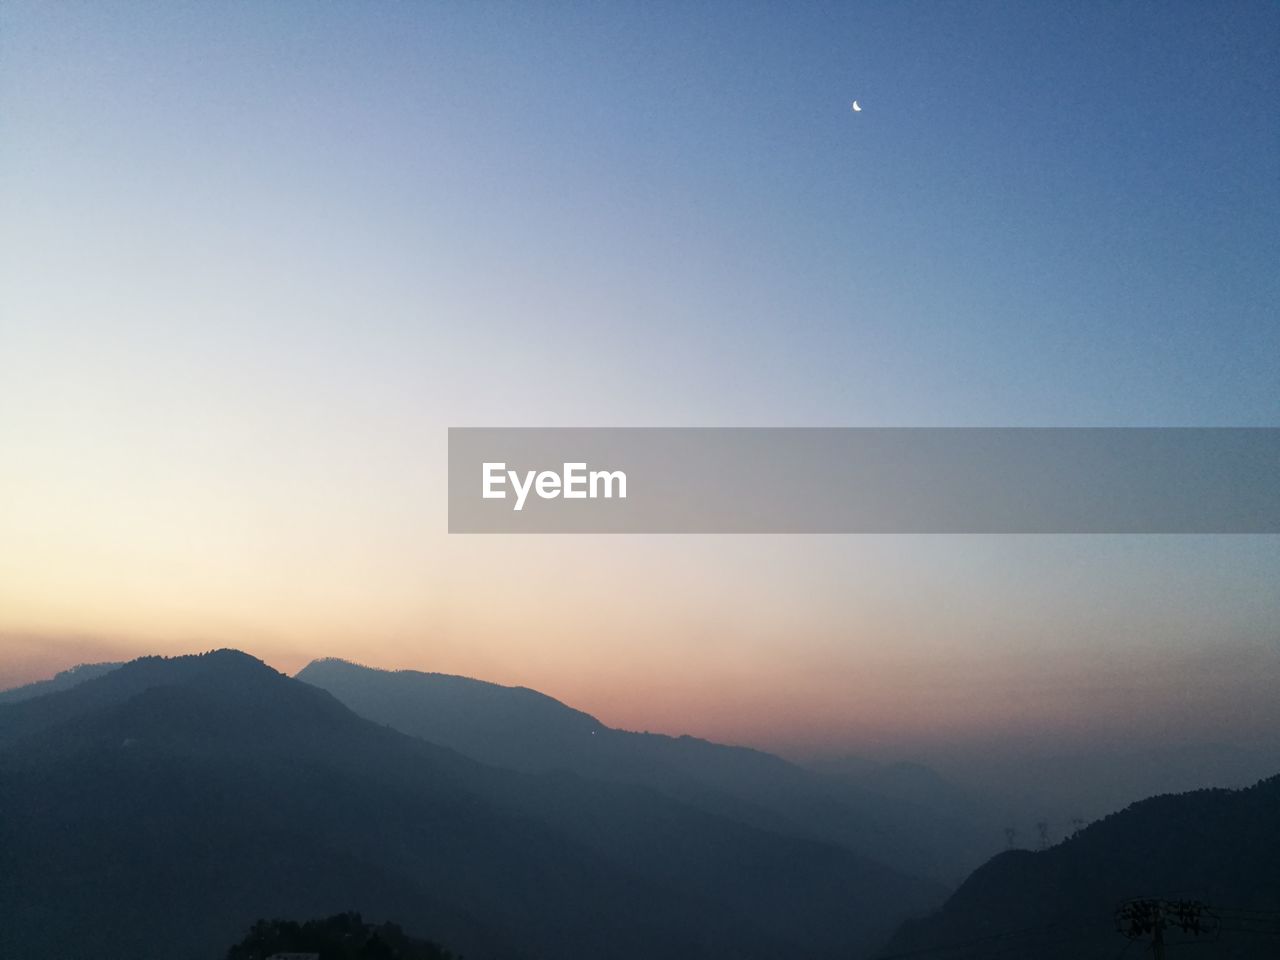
column 1042, row 828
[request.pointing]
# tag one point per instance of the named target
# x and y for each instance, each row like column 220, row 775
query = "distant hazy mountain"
column 157, row 810
column 1060, row 786
column 524, row 730
column 62, row 681
column 1221, row 847
column 909, row 782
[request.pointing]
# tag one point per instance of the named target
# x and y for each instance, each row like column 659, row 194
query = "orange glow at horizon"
column 118, row 546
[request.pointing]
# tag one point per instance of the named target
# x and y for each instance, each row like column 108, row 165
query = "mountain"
column 524, row 730
column 62, row 681
column 1220, row 847
column 159, row 808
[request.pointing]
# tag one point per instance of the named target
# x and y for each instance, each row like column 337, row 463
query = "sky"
column 255, row 259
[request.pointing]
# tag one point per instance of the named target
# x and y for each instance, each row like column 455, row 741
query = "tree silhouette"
column 344, row 936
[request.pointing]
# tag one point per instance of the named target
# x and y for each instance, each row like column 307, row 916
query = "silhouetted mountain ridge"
column 64, row 680
column 234, row 672
column 169, row 802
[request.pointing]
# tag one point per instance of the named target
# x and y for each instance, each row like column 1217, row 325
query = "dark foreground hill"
column 1221, row 847
column 157, row 810
column 525, row 730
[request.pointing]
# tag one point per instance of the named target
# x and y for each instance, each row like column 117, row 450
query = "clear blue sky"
column 254, row 258
column 1044, row 214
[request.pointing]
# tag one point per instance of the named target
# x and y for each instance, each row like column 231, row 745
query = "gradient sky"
column 255, row 258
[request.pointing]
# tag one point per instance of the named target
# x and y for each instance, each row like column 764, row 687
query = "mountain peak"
column 229, row 676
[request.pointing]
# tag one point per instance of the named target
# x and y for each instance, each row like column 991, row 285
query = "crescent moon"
column 856, row 108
